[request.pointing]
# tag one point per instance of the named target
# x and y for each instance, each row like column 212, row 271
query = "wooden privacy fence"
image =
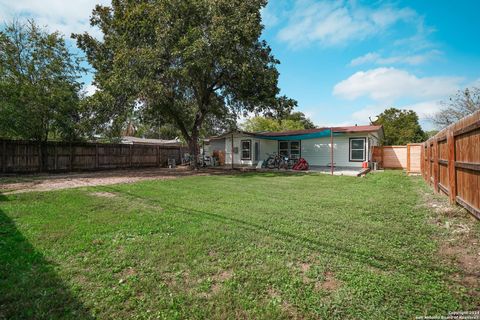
column 399, row 157
column 451, row 163
column 27, row 156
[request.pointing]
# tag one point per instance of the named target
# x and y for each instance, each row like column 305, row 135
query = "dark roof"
column 345, row 129
column 226, row 134
column 335, row 129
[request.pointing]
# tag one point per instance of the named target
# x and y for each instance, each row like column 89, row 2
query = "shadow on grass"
column 29, row 286
column 380, row 261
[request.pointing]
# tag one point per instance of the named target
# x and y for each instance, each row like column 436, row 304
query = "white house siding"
column 317, row 151
column 267, row 147
column 218, row 144
column 237, row 144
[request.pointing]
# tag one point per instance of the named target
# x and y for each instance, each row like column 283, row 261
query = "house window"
column 289, row 149
column 283, row 148
column 246, row 149
column 295, row 149
column 357, row 149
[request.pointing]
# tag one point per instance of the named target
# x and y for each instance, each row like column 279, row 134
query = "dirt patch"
column 459, row 244
column 466, row 257
column 290, row 310
column 273, row 293
column 126, row 274
column 329, row 283
column 103, row 194
column 304, row 268
column 223, row 276
column 99, row 178
column 217, row 280
column 97, row 242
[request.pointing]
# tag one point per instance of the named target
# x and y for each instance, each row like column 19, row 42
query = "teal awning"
column 313, row 135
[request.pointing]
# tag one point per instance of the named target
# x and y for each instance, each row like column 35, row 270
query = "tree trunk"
column 193, row 150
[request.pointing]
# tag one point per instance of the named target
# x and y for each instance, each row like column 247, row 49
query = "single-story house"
column 351, row 145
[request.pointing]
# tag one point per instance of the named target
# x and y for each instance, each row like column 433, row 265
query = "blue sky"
column 343, row 61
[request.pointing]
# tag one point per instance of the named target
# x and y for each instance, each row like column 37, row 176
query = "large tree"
column 400, row 127
column 291, row 121
column 257, row 124
column 184, row 61
column 302, row 118
column 458, row 106
column 39, row 84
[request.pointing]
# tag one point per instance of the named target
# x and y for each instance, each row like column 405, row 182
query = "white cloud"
column 269, row 19
column 475, row 83
column 332, row 23
column 65, row 16
column 337, row 124
column 390, row 84
column 364, row 114
column 412, row 59
column 366, row 58
column 423, row 109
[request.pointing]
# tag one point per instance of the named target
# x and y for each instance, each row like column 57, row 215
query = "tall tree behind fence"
column 451, row 163
column 27, row 156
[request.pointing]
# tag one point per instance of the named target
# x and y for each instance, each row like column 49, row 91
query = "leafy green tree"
column 400, row 127
column 39, row 84
column 292, row 121
column 184, row 61
column 458, row 106
column 256, row 124
column 300, row 117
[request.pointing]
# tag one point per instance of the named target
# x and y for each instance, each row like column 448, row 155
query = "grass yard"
column 265, row 246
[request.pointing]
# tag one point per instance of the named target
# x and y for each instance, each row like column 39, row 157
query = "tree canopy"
column 39, row 84
column 400, row 127
column 458, row 106
column 256, row 124
column 182, row 62
column 300, row 117
column 292, row 121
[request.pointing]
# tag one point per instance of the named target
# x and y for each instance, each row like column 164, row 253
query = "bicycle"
column 277, row 161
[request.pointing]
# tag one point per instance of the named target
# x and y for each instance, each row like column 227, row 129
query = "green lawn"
column 244, row 246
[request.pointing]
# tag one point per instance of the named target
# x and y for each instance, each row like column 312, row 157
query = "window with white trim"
column 357, row 149
column 246, row 149
column 289, row 149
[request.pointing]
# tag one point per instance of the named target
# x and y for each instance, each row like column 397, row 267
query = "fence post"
column 381, row 157
column 422, row 161
column 131, row 154
column 452, row 180
column 435, row 165
column 158, row 156
column 431, row 163
column 4, row 156
column 408, row 159
column 71, row 157
column 40, row 157
column 55, row 156
column 96, row 156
